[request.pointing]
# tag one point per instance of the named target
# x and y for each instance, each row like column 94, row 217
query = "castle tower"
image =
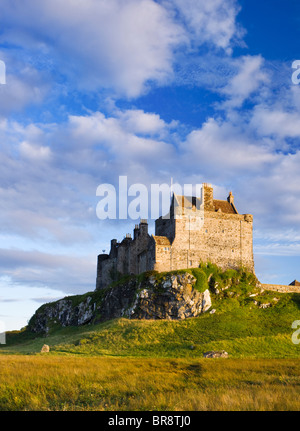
column 143, row 227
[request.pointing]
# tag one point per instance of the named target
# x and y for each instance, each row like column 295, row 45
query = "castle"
column 195, row 230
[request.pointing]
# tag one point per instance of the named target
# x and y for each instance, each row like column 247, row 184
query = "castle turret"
column 136, row 231
column 144, row 227
column 113, row 248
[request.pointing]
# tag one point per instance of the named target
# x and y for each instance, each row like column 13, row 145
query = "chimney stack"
column 208, row 197
column 230, row 198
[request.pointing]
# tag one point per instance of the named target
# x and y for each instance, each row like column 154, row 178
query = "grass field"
column 158, row 365
column 97, row 383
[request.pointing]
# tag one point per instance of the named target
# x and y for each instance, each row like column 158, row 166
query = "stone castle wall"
column 223, row 239
column 281, row 288
column 130, row 256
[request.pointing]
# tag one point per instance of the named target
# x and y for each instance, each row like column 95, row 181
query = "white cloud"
column 50, row 172
column 249, row 78
column 277, row 122
column 21, row 89
column 140, row 122
column 225, row 149
column 120, row 45
column 130, row 137
column 34, row 152
column 105, row 43
column 211, row 21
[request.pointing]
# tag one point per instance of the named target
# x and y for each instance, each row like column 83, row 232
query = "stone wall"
column 130, row 256
column 281, row 288
column 224, row 239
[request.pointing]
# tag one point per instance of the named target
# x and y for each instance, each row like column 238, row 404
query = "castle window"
column 206, row 230
column 191, row 263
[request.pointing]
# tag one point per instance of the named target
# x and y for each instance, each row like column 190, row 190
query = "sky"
column 93, row 90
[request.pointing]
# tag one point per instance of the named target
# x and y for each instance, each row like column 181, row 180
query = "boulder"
column 45, row 348
column 216, row 354
column 206, row 301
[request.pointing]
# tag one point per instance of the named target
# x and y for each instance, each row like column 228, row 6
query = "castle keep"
column 195, row 230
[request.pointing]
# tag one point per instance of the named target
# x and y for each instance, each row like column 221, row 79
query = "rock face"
column 171, row 297
column 62, row 312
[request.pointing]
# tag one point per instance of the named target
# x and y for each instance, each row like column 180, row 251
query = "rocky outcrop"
column 62, row 312
column 172, row 296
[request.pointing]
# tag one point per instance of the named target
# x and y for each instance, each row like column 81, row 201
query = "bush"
column 201, row 284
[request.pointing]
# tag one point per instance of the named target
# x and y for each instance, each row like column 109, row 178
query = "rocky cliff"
column 173, row 296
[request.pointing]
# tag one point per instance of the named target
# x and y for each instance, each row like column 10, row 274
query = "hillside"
column 243, row 319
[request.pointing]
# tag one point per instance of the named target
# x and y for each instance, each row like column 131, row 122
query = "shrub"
column 201, row 284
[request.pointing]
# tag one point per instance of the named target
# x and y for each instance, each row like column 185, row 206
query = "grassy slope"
column 238, row 326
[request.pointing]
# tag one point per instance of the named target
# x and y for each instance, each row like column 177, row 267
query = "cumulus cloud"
column 119, row 45
column 132, row 140
column 225, row 149
column 248, row 79
column 33, row 152
column 51, row 172
column 278, row 122
column 115, row 44
column 24, row 86
column 212, row 22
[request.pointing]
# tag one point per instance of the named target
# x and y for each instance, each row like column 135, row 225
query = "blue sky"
column 194, row 90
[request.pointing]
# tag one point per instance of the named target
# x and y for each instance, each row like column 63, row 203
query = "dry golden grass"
column 44, row 382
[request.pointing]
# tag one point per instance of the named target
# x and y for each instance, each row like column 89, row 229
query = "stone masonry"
column 195, row 230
